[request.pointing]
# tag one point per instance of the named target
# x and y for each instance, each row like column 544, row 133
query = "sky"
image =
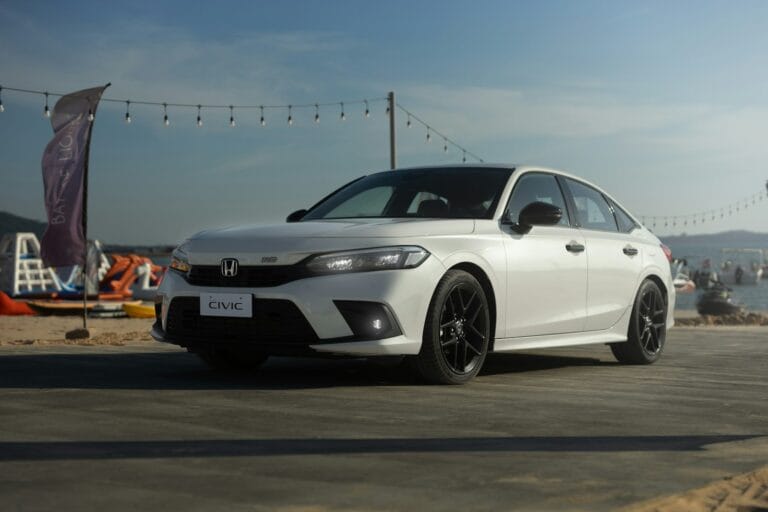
column 663, row 104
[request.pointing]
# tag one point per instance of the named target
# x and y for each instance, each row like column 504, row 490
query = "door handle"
column 574, row 247
column 630, row 251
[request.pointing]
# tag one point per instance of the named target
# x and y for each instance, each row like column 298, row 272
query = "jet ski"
column 718, row 301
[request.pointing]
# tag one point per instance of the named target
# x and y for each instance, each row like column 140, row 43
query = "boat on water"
column 718, row 301
column 682, row 280
column 741, row 266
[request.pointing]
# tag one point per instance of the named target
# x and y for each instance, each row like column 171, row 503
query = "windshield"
column 444, row 193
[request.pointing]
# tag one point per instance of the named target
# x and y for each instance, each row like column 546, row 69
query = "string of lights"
column 653, row 221
column 200, row 107
column 706, row 216
column 262, row 108
column 447, row 141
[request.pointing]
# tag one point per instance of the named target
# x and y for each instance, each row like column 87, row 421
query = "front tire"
column 647, row 327
column 457, row 331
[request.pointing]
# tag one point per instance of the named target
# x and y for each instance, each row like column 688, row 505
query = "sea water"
column 754, row 297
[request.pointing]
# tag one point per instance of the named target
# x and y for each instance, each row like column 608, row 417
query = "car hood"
column 288, row 243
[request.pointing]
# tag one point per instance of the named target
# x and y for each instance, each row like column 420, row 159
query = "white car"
column 440, row 264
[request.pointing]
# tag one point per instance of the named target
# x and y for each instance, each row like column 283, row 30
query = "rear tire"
column 647, row 327
column 456, row 332
column 231, row 361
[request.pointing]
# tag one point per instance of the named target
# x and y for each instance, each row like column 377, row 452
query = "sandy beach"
column 50, row 330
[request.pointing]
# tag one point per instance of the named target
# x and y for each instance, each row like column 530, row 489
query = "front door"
column 546, row 267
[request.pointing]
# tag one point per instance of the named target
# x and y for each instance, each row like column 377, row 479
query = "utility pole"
column 392, row 150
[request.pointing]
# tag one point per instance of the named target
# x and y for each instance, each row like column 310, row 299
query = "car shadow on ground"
column 104, row 450
column 180, row 370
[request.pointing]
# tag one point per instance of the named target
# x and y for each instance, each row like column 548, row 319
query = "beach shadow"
column 183, row 371
column 105, row 450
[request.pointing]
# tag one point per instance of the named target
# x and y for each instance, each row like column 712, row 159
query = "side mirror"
column 537, row 214
column 296, row 216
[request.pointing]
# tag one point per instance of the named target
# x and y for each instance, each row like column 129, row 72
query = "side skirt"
column 558, row 340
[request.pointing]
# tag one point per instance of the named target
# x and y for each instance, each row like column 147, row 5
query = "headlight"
column 180, row 260
column 383, row 258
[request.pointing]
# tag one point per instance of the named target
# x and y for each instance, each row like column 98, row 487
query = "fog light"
column 368, row 320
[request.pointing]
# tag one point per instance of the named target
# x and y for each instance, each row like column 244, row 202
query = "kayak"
column 69, row 307
column 139, row 310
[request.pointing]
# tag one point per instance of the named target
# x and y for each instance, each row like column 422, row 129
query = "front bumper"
column 407, row 294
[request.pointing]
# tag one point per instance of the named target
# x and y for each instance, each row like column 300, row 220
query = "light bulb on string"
column 387, row 111
column 290, row 116
column 232, row 116
column 408, row 123
column 463, row 156
column 46, row 110
column 262, row 120
column 445, row 145
column 343, row 116
column 166, row 121
column 127, row 112
column 199, row 117
column 367, row 112
column 317, row 113
column 429, row 135
column 91, row 117
column 2, row 108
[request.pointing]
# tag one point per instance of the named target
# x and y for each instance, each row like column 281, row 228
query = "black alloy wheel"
column 647, row 327
column 457, row 331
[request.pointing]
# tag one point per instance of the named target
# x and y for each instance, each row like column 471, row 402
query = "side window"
column 369, row 203
column 536, row 187
column 626, row 224
column 593, row 210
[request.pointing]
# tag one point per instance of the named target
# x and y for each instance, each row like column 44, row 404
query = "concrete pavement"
column 127, row 428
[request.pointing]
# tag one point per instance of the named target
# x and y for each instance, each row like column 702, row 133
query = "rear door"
column 614, row 257
column 546, row 267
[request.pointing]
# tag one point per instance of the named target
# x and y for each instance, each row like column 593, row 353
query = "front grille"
column 274, row 322
column 247, row 276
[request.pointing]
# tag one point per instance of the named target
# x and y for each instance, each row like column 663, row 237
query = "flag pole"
column 85, row 218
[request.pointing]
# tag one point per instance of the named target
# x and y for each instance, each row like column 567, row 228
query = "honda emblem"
column 229, row 267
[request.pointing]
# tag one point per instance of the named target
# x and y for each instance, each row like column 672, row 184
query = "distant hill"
column 724, row 239
column 10, row 223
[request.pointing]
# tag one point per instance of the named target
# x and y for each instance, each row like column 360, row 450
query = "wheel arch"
column 660, row 283
column 479, row 274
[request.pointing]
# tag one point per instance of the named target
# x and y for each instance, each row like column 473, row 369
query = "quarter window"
column 593, row 210
column 626, row 224
column 536, row 187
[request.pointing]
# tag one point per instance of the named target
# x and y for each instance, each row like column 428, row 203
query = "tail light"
column 667, row 252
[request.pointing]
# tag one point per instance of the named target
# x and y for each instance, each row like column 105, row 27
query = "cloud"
column 156, row 62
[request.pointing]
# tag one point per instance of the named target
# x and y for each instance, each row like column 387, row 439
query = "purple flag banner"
column 65, row 167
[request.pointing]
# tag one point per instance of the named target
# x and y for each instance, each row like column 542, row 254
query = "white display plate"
column 226, row 304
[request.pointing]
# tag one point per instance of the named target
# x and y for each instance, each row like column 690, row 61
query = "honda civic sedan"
column 440, row 265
